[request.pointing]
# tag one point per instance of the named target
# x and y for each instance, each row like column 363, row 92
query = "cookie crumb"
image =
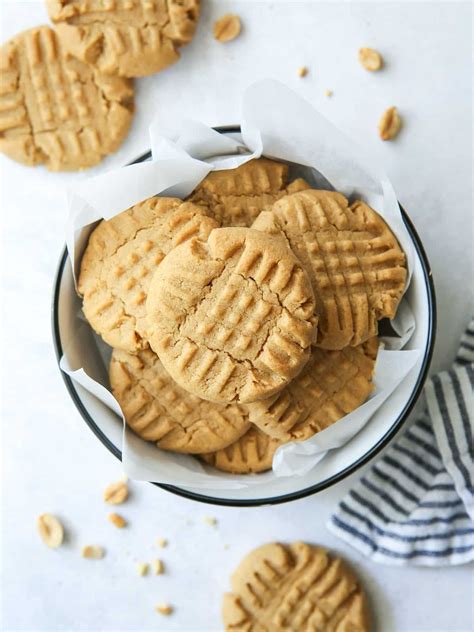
column 303, row 71
column 162, row 542
column 328, row 93
column 117, row 520
column 158, row 567
column 142, row 569
column 92, row 552
column 370, row 59
column 50, row 530
column 389, row 124
column 227, row 28
column 210, row 520
column 116, row 493
column 164, row 608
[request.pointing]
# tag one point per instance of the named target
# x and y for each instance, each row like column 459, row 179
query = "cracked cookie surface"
column 121, row 256
column 294, row 588
column 356, row 266
column 131, row 38
column 231, row 318
column 331, row 385
column 252, row 453
column 56, row 110
column 235, row 197
column 159, row 410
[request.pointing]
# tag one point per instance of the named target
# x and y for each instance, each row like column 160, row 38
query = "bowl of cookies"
column 249, row 336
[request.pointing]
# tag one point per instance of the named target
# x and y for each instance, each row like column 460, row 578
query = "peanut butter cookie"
column 131, row 38
column 356, row 266
column 57, row 110
column 232, row 319
column 235, row 197
column 158, row 410
column 331, row 385
column 294, row 588
column 253, row 452
column 119, row 261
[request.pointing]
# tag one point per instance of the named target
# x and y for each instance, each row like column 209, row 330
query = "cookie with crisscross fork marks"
column 121, row 256
column 356, row 266
column 56, row 110
column 131, row 38
column 232, row 319
column 158, row 410
column 331, row 385
column 235, row 197
column 297, row 588
column 252, row 453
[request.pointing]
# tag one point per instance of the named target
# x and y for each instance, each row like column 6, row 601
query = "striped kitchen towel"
column 416, row 504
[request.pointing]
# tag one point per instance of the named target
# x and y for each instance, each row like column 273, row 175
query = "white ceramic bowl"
column 338, row 463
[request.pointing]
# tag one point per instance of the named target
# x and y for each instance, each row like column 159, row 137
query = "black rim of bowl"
column 312, row 489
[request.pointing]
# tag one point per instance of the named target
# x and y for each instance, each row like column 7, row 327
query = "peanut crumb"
column 303, row 71
column 158, row 567
column 328, row 93
column 162, row 542
column 226, row 547
column 50, row 530
column 116, row 493
column 142, row 568
column 227, row 28
column 164, row 608
column 92, row 552
column 210, row 520
column 370, row 59
column 117, row 520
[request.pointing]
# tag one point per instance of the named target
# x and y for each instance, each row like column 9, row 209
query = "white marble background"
column 52, row 462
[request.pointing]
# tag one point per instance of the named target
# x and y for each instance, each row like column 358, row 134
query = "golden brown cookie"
column 232, row 319
column 253, row 452
column 131, row 38
column 235, row 197
column 297, row 588
column 331, row 385
column 357, row 268
column 120, row 259
column 55, row 109
column 158, row 410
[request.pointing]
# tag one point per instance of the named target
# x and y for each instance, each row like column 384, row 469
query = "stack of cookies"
column 66, row 98
column 244, row 317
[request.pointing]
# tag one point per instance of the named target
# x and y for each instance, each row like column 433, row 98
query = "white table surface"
column 53, row 463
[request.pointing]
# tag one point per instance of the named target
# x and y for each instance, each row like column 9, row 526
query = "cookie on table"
column 331, row 385
column 235, row 197
column 357, row 268
column 121, row 256
column 158, row 410
column 131, row 38
column 252, row 453
column 231, row 318
column 57, row 110
column 294, row 588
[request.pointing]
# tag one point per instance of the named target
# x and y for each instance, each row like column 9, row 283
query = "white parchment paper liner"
column 279, row 124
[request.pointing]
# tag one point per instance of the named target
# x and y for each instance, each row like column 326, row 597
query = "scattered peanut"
column 50, row 530
column 158, row 567
column 303, row 71
column 117, row 520
column 227, row 28
column 92, row 552
column 142, row 568
column 116, row 493
column 164, row 608
column 389, row 124
column 370, row 59
column 328, row 93
column 162, row 542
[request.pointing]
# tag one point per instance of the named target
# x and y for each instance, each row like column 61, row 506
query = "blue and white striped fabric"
column 416, row 504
